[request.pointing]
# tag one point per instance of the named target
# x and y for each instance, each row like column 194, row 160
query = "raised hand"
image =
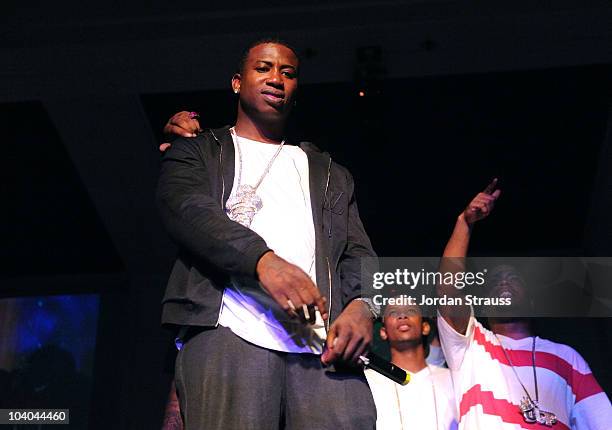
column 482, row 205
column 453, row 258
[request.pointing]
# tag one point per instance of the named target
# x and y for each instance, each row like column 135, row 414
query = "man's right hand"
column 289, row 285
column 482, row 205
column 185, row 124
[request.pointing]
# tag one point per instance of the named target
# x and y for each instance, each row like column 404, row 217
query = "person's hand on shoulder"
column 184, row 123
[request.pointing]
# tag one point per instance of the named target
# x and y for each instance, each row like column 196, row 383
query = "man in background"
column 506, row 377
column 427, row 401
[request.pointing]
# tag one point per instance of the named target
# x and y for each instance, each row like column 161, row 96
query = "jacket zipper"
column 329, row 277
column 222, row 206
column 330, row 293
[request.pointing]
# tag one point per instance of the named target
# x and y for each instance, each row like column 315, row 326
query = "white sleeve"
column 454, row 344
column 593, row 410
column 592, row 413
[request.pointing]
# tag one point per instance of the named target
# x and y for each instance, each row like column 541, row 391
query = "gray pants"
column 226, row 383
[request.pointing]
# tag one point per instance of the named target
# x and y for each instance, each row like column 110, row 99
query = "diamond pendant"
column 242, row 206
column 533, row 414
column 528, row 409
column 547, row 418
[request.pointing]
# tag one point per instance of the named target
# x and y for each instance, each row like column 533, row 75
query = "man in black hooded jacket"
column 260, row 323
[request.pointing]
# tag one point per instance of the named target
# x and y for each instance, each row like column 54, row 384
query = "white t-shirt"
column 489, row 394
column 414, row 405
column 285, row 223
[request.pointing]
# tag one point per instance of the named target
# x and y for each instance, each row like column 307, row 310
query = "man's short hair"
column 263, row 41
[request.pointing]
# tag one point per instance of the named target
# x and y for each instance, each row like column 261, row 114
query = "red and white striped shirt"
column 488, row 392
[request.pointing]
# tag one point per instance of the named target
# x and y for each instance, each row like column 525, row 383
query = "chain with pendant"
column 244, row 204
column 530, row 408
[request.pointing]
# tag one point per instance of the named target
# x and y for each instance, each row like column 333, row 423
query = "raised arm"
column 453, row 258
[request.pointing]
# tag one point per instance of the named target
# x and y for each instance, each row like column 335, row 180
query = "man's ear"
column 236, row 80
column 425, row 328
column 383, row 333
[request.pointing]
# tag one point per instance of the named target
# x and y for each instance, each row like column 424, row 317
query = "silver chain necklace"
column 433, row 390
column 531, row 408
column 244, row 204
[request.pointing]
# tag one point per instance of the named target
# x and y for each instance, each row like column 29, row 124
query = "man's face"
column 403, row 323
column 268, row 81
column 505, row 282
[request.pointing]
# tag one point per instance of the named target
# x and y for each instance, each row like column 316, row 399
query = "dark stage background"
column 421, row 148
column 452, row 98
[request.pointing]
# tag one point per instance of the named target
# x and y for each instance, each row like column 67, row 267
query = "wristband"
column 374, row 310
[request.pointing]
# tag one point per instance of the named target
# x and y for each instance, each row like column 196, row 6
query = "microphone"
column 385, row 368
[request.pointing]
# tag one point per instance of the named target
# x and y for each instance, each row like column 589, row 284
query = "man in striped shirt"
column 505, row 377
